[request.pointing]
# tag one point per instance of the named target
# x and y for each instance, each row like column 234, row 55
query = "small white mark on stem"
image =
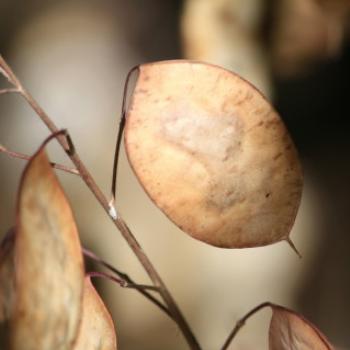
column 112, row 211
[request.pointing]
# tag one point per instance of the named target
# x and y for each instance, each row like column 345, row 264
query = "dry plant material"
column 66, row 143
column 48, row 264
column 212, row 154
column 290, row 331
column 96, row 329
column 307, row 31
column 43, row 295
column 231, row 37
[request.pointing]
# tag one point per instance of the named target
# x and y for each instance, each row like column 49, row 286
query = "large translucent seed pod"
column 213, row 154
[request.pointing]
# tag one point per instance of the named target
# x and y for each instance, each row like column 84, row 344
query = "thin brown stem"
column 120, row 132
column 8, row 91
column 23, row 156
column 7, row 72
column 240, row 323
column 118, row 221
column 126, row 277
column 121, row 282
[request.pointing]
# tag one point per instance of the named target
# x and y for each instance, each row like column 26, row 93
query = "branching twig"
column 126, row 277
column 128, row 282
column 241, row 323
column 118, row 221
column 27, row 157
column 121, row 282
column 120, row 132
column 8, row 91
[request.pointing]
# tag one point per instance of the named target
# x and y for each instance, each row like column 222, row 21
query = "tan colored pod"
column 289, row 330
column 96, row 328
column 49, row 271
column 212, row 154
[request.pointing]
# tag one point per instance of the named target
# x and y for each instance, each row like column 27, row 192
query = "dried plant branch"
column 23, row 156
column 8, row 91
column 240, row 323
column 118, row 220
column 6, row 71
column 121, row 282
column 120, row 132
column 128, row 279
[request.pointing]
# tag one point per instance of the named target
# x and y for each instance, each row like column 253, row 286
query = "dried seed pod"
column 212, row 154
column 49, row 271
column 289, row 330
column 96, row 329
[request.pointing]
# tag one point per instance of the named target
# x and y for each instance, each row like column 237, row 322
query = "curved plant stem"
column 8, row 91
column 126, row 277
column 120, row 132
column 119, row 281
column 240, row 323
column 87, row 252
column 27, row 157
column 118, row 221
column 108, row 276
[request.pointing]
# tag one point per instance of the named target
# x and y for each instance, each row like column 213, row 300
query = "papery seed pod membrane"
column 96, row 329
column 49, row 272
column 289, row 330
column 212, row 154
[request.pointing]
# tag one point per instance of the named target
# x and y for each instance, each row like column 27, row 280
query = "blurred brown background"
column 74, row 55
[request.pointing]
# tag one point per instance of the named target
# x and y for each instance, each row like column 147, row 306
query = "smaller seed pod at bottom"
column 212, row 154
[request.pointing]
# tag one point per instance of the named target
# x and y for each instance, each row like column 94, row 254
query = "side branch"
column 240, row 323
column 121, row 282
column 128, row 279
column 8, row 91
column 23, row 156
column 120, row 133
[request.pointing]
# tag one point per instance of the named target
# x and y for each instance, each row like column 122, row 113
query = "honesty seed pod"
column 212, row 154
